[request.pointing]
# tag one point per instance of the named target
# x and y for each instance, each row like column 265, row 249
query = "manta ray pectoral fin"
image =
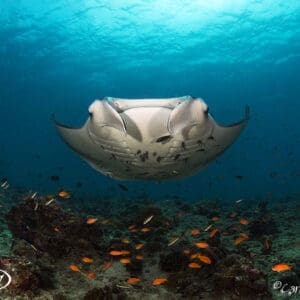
column 78, row 139
column 187, row 114
column 226, row 135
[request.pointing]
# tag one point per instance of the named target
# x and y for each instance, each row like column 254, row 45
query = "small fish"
column 240, row 177
column 91, row 220
column 91, row 275
column 233, row 214
column 239, row 200
column 56, row 229
column 125, row 252
column 159, row 281
column 148, row 220
column 87, row 260
column 238, row 240
column 186, row 251
column 115, row 253
column 195, row 231
column 49, row 202
column 36, row 206
column 131, row 227
column 133, row 280
column 205, row 259
column 195, row 255
column 107, row 265
column 54, row 177
column 194, row 265
column 213, row 232
column 241, row 238
column 123, row 187
column 208, row 227
column 139, row 257
column 244, row 221
column 281, row 268
column 34, row 195
column 105, row 221
column 125, row 260
column 215, row 219
column 139, row 246
column 202, row 245
column 4, row 184
column 125, row 241
column 75, row 268
column 64, row 194
column 145, row 229
column 267, row 244
column 244, row 235
column 173, row 241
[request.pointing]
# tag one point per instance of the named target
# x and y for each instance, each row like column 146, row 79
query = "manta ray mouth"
column 150, row 139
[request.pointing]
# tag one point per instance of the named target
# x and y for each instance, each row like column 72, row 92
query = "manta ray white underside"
column 150, row 139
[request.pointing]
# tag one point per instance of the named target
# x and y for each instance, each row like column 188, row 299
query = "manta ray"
column 150, row 139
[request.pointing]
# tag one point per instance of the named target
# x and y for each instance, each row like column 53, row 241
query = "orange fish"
column 145, row 229
column 116, row 253
column 281, row 268
column 159, row 281
column 75, row 268
column 202, row 245
column 56, row 229
column 213, row 232
column 139, row 257
column 64, row 194
column 131, row 227
column 125, row 260
column 125, row 252
column 87, row 260
column 91, row 220
column 244, row 235
column 125, row 241
column 91, row 275
column 194, row 265
column 139, row 246
column 267, row 244
column 215, row 219
column 133, row 280
column 105, row 221
column 195, row 231
column 233, row 214
column 244, row 221
column 107, row 265
column 195, row 255
column 239, row 240
column 186, row 251
column 205, row 259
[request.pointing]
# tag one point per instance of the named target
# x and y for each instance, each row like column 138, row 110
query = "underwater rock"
column 236, row 276
column 173, row 262
column 53, row 231
column 25, row 276
column 263, row 225
column 105, row 293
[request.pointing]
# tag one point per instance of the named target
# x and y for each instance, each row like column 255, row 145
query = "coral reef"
column 53, row 231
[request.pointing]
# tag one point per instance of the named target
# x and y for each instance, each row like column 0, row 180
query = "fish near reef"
column 150, row 139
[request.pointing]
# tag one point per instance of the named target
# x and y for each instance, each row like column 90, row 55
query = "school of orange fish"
column 197, row 259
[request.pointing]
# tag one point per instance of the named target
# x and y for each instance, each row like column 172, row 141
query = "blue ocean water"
column 58, row 56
